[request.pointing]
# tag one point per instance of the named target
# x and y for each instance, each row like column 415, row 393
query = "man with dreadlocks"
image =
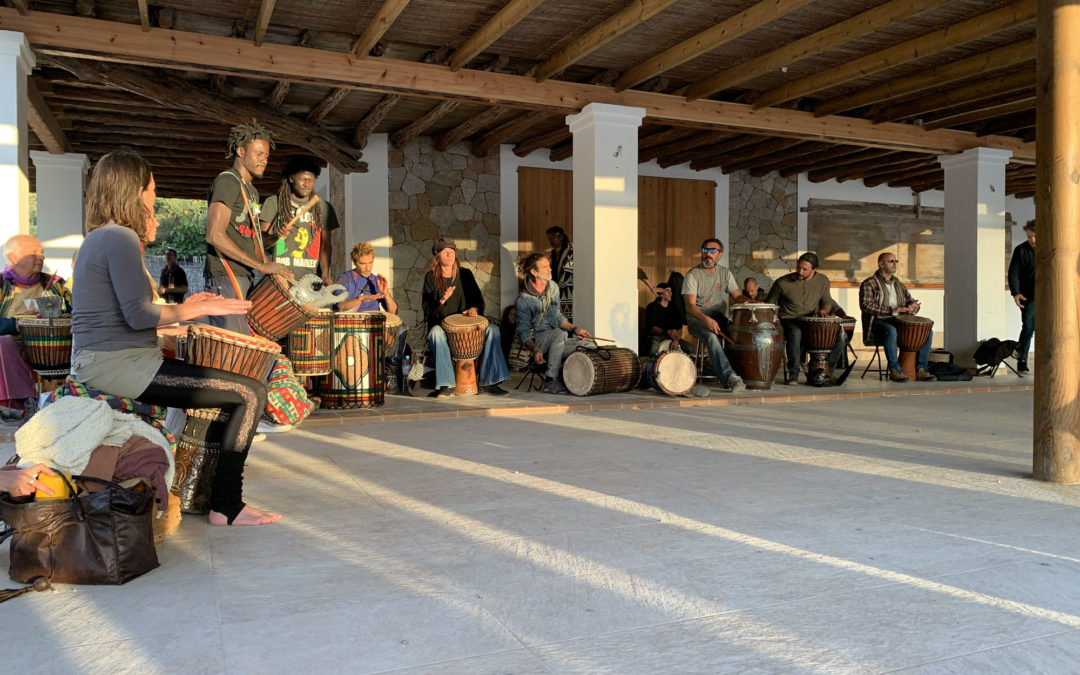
column 298, row 224
column 233, row 229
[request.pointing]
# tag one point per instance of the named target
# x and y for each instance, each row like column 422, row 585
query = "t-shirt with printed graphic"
column 243, row 221
column 713, row 291
column 300, row 250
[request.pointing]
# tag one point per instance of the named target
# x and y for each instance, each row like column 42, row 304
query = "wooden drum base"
column 818, row 372
column 465, row 377
column 907, row 363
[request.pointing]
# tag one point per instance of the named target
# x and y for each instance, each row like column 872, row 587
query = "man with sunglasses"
column 881, row 297
column 707, row 292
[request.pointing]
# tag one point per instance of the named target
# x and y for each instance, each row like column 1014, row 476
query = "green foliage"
column 183, row 227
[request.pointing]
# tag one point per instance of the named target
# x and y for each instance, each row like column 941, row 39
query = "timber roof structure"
column 865, row 90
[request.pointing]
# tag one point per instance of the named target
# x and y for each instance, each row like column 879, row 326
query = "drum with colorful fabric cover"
column 356, row 378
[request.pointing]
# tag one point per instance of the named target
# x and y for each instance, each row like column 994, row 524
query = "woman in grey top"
column 114, row 321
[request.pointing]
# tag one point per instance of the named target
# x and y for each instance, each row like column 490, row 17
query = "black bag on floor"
column 948, row 372
column 104, row 537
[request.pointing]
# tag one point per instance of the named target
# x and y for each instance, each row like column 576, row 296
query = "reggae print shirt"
column 299, row 251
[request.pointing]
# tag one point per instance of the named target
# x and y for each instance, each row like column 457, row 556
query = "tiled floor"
column 835, row 536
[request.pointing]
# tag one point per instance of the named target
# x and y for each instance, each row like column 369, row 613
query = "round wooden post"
column 1057, row 252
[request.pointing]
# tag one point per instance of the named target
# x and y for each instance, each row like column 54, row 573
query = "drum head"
column 664, row 346
column 675, row 373
column 392, row 320
column 462, row 322
column 578, row 373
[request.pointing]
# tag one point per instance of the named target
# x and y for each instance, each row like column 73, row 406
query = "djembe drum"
column 758, row 347
column 671, row 372
column 601, row 371
column 356, row 378
column 47, row 343
column 911, row 333
column 274, row 313
column 819, row 337
column 390, row 333
column 465, row 336
column 246, row 355
column 309, row 346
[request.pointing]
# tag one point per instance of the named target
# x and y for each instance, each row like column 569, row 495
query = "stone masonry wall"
column 763, row 227
column 432, row 194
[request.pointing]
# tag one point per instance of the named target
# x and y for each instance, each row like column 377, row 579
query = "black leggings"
column 181, row 385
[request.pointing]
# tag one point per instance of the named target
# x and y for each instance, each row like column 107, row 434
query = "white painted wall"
column 367, row 207
column 16, row 62
column 61, row 180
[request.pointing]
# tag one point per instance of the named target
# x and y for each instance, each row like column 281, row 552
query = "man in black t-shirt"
column 664, row 321
column 298, row 233
column 233, row 230
column 173, row 284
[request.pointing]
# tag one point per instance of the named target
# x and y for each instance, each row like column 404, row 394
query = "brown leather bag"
column 103, row 537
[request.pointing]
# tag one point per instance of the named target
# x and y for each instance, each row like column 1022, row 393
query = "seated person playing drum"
column 752, row 291
column 541, row 326
column 369, row 292
column 804, row 293
column 664, row 322
column 23, row 281
column 706, row 293
column 451, row 289
column 881, row 298
column 114, row 341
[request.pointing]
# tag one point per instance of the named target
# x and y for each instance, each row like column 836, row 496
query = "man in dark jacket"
column 1022, row 287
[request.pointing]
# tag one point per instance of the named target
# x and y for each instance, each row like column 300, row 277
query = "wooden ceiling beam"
column 1005, row 57
column 545, row 140
column 838, row 157
column 327, row 105
column 869, row 169
column 52, row 34
column 741, row 161
column 904, row 175
column 144, row 15
column 23, row 6
column 470, row 127
column 717, row 155
column 493, row 138
column 373, row 32
column 166, row 17
column 857, row 26
column 1006, row 124
column 561, row 152
column 989, row 112
column 912, row 50
column 990, row 87
column 85, row 7
column 262, row 20
column 706, row 41
column 619, row 23
column 694, row 144
column 43, row 122
column 666, row 135
column 782, row 159
column 373, row 119
column 277, row 95
column 506, row 18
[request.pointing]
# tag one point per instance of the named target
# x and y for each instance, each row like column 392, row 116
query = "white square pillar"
column 606, row 220
column 16, row 62
column 61, row 180
column 974, row 248
column 367, row 207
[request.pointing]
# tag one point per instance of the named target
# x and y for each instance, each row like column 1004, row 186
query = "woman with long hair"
column 114, row 321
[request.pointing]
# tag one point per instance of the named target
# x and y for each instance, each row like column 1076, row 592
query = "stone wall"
column 763, row 227
column 432, row 194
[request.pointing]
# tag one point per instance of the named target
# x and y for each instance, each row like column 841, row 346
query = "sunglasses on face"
column 892, row 261
column 710, row 250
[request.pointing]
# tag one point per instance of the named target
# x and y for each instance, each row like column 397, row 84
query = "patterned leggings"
column 181, row 385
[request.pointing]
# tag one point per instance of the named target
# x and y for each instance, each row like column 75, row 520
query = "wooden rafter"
column 384, row 18
column 470, row 127
column 327, row 105
column 166, row 16
column 493, row 138
column 23, row 6
column 763, row 151
column 277, row 95
column 996, row 86
column 507, row 17
column 722, row 33
column 545, row 140
column 780, row 160
column 619, row 23
column 666, row 135
column 144, row 15
column 708, row 151
column 918, row 48
column 262, row 20
column 837, row 156
column 176, row 93
column 1005, row 57
column 86, row 7
column 1011, row 125
column 41, row 120
column 113, row 41
column 685, row 149
column 763, row 146
column 985, row 113
column 869, row 168
column 561, row 152
column 373, row 118
column 822, row 41
column 921, row 174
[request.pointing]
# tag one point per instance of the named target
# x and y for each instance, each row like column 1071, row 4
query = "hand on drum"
column 199, row 297
column 275, row 268
column 471, row 312
column 218, row 306
column 674, row 335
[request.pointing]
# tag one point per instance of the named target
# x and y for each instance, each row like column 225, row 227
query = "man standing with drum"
column 233, row 229
column 451, row 289
column 882, row 297
column 541, row 326
column 804, row 293
column 297, row 223
column 706, row 294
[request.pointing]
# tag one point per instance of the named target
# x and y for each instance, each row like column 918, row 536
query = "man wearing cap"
column 562, row 268
column 452, row 289
column 173, row 285
column 298, row 224
column 664, row 321
column 803, row 293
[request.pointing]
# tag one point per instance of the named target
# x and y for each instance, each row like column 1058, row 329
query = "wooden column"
column 1057, row 253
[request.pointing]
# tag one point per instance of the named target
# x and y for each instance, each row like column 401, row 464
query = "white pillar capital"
column 605, row 114
column 67, row 160
column 14, row 44
column 980, row 157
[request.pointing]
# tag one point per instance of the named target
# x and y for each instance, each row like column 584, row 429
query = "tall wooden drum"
column 465, row 335
column 671, row 372
column 601, row 371
column 356, row 378
column 309, row 345
column 47, row 343
column 911, row 333
column 819, row 337
column 274, row 313
column 759, row 344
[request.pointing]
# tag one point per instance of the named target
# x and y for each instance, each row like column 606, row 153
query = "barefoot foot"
column 248, row 516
